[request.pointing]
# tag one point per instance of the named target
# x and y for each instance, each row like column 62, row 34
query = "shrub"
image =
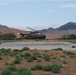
column 47, row 68
column 63, row 56
column 39, row 60
column 6, row 63
column 37, row 67
column 14, row 71
column 33, row 68
column 59, row 49
column 8, row 50
column 46, row 50
column 14, row 54
column 56, row 68
column 54, row 58
column 0, row 53
column 22, row 55
column 17, row 61
column 46, row 57
column 73, row 46
column 6, row 72
column 8, row 36
column 34, row 57
column 21, row 50
column 64, row 62
column 71, row 36
column 12, row 68
column 0, row 58
column 2, row 50
column 16, row 50
column 70, row 54
column 37, row 54
column 18, row 57
column 27, row 55
column 25, row 48
column 29, row 59
column 23, row 71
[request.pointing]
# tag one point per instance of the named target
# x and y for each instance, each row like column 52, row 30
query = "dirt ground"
column 66, row 58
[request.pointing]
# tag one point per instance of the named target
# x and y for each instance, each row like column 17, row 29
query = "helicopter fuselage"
column 34, row 35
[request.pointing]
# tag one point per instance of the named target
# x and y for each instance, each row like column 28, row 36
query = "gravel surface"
column 39, row 45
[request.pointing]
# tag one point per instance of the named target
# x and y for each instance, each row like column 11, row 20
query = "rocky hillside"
column 4, row 29
column 68, row 28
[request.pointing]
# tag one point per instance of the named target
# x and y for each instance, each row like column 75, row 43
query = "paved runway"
column 39, row 45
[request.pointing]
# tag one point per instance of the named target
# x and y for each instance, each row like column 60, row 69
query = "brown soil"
column 69, row 68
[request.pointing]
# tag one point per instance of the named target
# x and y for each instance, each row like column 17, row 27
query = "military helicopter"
column 33, row 35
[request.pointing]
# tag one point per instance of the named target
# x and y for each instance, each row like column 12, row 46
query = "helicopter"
column 33, row 35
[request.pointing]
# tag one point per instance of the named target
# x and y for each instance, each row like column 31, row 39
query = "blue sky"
column 37, row 14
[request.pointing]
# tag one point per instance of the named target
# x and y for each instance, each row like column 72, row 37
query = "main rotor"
column 33, row 30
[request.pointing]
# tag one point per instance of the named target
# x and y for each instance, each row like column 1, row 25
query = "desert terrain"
column 39, row 62
column 39, row 57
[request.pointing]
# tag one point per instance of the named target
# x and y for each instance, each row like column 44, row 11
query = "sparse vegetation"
column 59, row 49
column 25, row 48
column 31, row 58
column 71, row 36
column 23, row 71
column 6, row 72
column 73, row 46
column 64, row 62
column 9, row 36
column 27, row 55
column 70, row 54
column 55, row 68
column 46, row 57
column 0, row 58
column 20, row 71
column 12, row 68
column 39, row 62
column 17, row 61
column 37, row 67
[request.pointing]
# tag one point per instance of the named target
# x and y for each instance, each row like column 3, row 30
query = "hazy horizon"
column 37, row 14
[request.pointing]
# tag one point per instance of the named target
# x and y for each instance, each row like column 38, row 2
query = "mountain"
column 45, row 30
column 5, row 29
column 50, row 28
column 3, row 26
column 67, row 26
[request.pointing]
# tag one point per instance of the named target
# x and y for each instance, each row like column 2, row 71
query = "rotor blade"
column 32, row 29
